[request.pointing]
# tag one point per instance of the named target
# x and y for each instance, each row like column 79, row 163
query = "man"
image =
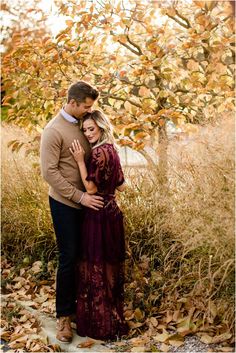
column 66, row 194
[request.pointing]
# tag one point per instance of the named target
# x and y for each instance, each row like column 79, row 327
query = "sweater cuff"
column 77, row 197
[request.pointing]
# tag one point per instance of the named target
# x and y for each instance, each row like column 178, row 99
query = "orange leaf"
column 69, row 23
column 86, row 344
column 161, row 122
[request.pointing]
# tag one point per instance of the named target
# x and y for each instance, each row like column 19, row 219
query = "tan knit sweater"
column 58, row 166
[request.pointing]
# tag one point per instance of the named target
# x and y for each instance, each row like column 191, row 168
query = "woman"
column 100, row 272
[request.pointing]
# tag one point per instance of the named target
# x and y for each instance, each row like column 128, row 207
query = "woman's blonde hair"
column 104, row 124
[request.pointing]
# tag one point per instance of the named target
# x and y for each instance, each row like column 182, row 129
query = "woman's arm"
column 121, row 187
column 78, row 154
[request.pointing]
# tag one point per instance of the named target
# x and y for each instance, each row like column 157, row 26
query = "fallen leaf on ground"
column 86, row 344
column 137, row 341
column 206, row 339
column 154, row 321
column 138, row 349
column 133, row 325
column 176, row 340
column 119, row 344
column 138, row 314
column 221, row 338
column 5, row 335
column 227, row 349
column 161, row 337
column 164, row 347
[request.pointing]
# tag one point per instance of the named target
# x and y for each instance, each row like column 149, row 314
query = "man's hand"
column 92, row 201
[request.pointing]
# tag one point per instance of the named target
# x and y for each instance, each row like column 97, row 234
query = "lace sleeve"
column 121, row 178
column 96, row 166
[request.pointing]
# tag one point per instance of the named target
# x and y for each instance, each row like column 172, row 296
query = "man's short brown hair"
column 81, row 90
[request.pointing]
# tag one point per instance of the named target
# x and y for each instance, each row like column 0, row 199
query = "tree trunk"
column 163, row 162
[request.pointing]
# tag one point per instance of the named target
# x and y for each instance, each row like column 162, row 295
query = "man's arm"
column 49, row 155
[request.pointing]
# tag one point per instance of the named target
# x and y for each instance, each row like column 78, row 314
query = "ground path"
column 192, row 344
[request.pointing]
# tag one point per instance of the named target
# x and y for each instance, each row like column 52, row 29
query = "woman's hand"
column 77, row 151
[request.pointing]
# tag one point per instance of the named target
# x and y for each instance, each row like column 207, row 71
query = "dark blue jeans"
column 67, row 223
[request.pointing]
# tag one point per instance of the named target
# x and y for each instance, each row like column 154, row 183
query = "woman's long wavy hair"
column 105, row 126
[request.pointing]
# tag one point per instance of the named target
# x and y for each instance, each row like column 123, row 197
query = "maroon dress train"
column 100, row 268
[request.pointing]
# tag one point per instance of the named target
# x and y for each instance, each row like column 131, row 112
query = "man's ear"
column 73, row 102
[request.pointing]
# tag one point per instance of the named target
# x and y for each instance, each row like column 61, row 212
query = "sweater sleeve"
column 49, row 159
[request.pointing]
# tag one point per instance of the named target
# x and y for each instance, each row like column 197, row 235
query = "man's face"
column 80, row 109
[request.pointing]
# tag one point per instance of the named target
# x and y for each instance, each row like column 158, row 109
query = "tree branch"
column 131, row 49
column 134, row 45
column 183, row 18
column 122, row 99
column 179, row 22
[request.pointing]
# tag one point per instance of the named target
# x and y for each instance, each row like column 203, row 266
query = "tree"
column 152, row 63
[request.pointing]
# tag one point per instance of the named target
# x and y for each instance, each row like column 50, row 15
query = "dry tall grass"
column 180, row 243
column 26, row 224
column 187, row 232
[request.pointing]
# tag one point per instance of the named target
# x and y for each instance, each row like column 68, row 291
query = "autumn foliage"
column 152, row 63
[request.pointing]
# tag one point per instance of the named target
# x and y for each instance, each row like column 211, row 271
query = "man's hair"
column 81, row 90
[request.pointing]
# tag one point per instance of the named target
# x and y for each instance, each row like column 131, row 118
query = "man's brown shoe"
column 64, row 331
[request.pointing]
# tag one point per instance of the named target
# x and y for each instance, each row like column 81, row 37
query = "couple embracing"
column 80, row 163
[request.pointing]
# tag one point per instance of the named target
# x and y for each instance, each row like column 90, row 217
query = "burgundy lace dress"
column 100, row 268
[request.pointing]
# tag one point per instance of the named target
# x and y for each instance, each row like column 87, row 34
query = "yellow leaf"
column 6, row 99
column 193, row 65
column 164, row 347
column 132, row 126
column 227, row 349
column 144, row 91
column 221, row 338
column 221, row 69
column 171, row 12
column 70, row 43
column 23, row 318
column 128, row 106
column 139, row 146
column 39, row 129
column 138, row 349
column 133, row 325
column 122, row 38
column 169, row 317
column 46, row 39
column 69, row 23
column 5, row 335
column 138, row 314
column 141, row 135
column 161, row 337
column 48, row 49
column 36, row 348
column 129, row 314
column 154, row 321
column 206, row 339
column 138, row 341
column 61, row 37
column 163, row 94
column 176, row 340
column 126, row 142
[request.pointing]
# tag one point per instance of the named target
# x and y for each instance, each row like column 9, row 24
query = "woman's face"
column 91, row 130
